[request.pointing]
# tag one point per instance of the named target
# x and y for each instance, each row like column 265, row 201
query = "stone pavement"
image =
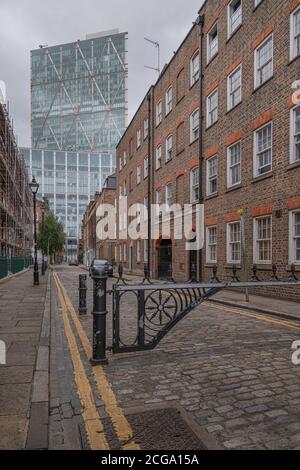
column 230, row 371
column 23, row 380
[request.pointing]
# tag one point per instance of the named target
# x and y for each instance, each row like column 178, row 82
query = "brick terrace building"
column 246, row 139
column 92, row 246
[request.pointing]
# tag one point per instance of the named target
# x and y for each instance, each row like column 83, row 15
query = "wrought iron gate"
column 157, row 308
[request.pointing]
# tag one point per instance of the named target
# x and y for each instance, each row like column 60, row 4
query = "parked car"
column 73, row 263
column 100, row 263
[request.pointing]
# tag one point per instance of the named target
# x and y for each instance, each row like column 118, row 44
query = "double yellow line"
column 91, row 417
column 261, row 317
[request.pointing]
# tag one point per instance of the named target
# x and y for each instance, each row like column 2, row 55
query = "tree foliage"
column 53, row 240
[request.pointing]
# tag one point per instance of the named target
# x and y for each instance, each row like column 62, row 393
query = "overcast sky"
column 25, row 24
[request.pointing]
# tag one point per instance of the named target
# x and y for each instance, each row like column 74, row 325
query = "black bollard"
column 99, row 276
column 82, row 294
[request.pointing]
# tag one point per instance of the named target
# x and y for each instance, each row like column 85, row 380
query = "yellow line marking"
column 120, row 423
column 285, row 323
column 92, row 421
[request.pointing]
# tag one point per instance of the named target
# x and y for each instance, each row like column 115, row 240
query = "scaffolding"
column 15, row 194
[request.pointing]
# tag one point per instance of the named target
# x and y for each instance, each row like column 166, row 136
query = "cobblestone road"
column 231, row 372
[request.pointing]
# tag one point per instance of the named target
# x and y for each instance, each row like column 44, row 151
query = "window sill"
column 194, row 141
column 179, row 152
column 234, row 107
column 234, row 188
column 257, row 179
column 263, row 267
column 168, row 114
column 293, row 165
column 192, row 86
column 211, row 125
column 179, row 101
column 230, row 265
column 169, row 161
column 211, row 59
column 262, row 85
column 297, row 267
column 210, row 264
column 291, row 61
column 234, row 33
column 211, row 196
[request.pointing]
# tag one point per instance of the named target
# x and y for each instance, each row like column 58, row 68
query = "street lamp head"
column 34, row 186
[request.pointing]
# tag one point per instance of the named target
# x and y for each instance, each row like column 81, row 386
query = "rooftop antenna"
column 156, row 44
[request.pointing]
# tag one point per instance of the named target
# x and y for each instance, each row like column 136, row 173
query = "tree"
column 52, row 242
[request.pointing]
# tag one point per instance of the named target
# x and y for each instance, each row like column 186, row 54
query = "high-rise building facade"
column 79, row 94
column 78, row 114
column 69, row 180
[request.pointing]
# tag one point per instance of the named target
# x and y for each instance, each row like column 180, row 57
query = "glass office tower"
column 79, row 94
column 78, row 115
column 69, row 180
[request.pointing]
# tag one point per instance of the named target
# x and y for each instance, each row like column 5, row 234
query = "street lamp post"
column 34, row 186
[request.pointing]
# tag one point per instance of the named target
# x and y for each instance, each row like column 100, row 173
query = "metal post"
column 36, row 280
column 141, row 318
column 244, row 254
column 82, row 294
column 99, row 276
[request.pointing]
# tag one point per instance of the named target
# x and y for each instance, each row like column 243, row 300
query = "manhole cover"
column 163, row 429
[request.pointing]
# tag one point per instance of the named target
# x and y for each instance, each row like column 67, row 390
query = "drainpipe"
column 200, row 22
column 149, row 99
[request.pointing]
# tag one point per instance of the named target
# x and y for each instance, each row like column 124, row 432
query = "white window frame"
column 257, row 82
column 210, row 178
column 210, row 54
column 293, row 39
column 158, row 156
column 124, row 158
column 169, row 148
column 230, row 30
column 195, row 68
column 158, row 201
column 209, row 111
column 256, row 241
column 194, row 128
column 138, row 138
column 120, row 253
column 120, row 163
column 138, row 174
column 256, row 172
column 230, row 242
column 146, row 167
column 159, row 115
column 169, row 100
column 293, row 238
column 125, row 252
column 230, row 94
column 209, row 244
column 257, row 2
column 293, row 158
column 146, row 128
column 194, row 187
column 230, row 184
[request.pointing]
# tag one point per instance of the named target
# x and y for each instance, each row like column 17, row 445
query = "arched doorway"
column 164, row 258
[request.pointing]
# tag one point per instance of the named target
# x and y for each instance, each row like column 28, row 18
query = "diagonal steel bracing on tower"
column 79, row 94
